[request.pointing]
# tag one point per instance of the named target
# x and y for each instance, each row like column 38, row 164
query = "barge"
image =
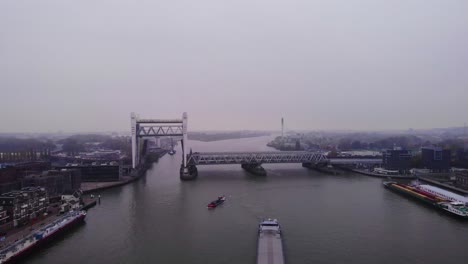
column 454, row 197
column 454, row 208
column 270, row 245
column 413, row 192
column 39, row 237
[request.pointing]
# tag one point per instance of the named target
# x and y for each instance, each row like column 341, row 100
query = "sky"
column 85, row 65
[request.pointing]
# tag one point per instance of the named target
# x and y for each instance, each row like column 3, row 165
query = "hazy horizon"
column 78, row 66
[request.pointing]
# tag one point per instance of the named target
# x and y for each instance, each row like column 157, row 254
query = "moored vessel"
column 448, row 195
column 455, row 208
column 34, row 240
column 217, row 202
column 413, row 192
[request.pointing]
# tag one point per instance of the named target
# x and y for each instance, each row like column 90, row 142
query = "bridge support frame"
column 144, row 128
column 311, row 165
column 188, row 173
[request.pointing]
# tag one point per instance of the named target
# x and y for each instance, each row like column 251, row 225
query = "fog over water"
column 85, row 65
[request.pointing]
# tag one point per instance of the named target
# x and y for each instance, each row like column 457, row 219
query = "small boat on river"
column 217, row 202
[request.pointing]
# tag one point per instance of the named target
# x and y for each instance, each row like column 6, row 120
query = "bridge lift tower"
column 144, row 128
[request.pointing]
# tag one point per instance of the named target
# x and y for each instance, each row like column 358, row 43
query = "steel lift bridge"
column 157, row 128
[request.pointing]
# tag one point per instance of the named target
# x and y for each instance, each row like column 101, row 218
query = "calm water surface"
column 326, row 219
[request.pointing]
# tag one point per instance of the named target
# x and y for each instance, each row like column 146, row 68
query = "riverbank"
column 377, row 175
column 137, row 173
column 16, row 234
column 443, row 185
column 88, row 187
column 325, row 170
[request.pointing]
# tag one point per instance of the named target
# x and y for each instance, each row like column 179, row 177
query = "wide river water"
column 346, row 218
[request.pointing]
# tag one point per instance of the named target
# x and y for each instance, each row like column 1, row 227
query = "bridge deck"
column 213, row 158
column 270, row 248
column 207, row 158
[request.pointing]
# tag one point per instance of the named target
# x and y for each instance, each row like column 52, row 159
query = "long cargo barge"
column 270, row 245
column 412, row 192
column 454, row 208
column 39, row 237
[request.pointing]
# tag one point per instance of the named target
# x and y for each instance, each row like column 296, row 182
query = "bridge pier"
column 307, row 165
column 321, row 167
column 255, row 169
column 188, row 173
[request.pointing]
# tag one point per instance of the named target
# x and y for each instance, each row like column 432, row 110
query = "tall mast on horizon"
column 282, row 127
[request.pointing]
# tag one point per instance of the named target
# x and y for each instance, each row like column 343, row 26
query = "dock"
column 88, row 203
column 270, row 248
column 378, row 175
column 443, row 185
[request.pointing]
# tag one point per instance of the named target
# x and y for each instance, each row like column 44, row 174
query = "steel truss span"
column 209, row 158
column 159, row 131
column 144, row 128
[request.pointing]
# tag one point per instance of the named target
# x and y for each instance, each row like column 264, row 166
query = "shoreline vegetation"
column 216, row 136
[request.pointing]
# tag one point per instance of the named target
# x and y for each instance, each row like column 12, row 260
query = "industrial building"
column 461, row 159
column 97, row 173
column 3, row 216
column 56, row 182
column 10, row 176
column 397, row 159
column 461, row 179
column 436, row 159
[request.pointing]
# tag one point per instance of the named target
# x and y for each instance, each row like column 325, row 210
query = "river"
column 346, row 218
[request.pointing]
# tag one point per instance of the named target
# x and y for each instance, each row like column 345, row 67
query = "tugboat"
column 217, row 202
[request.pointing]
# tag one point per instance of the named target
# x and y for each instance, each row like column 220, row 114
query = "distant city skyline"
column 241, row 65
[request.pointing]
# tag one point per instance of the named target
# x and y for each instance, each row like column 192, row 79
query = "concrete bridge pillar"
column 254, row 168
column 188, row 173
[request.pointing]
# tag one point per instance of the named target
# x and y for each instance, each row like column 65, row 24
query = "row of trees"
column 78, row 143
column 225, row 135
column 11, row 144
column 408, row 142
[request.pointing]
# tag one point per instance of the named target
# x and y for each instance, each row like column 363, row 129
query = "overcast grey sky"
column 84, row 65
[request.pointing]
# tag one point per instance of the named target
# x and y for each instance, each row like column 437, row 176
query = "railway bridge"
column 250, row 161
